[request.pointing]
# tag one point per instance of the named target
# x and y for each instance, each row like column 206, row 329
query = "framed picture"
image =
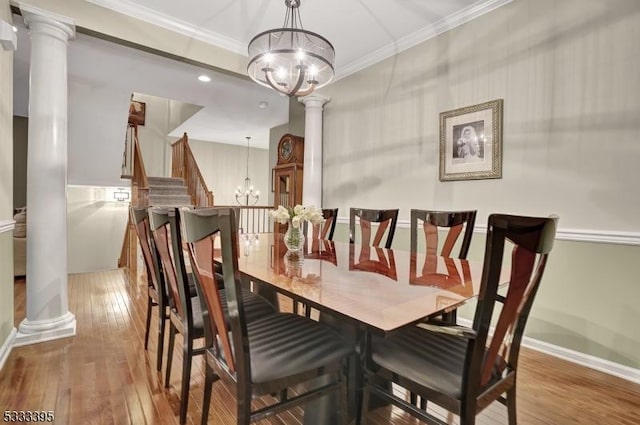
column 137, row 112
column 471, row 142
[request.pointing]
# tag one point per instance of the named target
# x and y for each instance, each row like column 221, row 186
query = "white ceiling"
column 363, row 32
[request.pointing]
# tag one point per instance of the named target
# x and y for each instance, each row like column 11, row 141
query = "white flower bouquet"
column 293, row 238
column 297, row 215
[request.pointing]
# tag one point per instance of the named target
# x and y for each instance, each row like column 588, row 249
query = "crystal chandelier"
column 290, row 59
column 247, row 195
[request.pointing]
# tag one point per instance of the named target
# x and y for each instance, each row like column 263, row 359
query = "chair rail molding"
column 7, row 225
column 575, row 235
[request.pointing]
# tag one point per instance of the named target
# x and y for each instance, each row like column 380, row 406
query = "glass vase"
column 294, row 238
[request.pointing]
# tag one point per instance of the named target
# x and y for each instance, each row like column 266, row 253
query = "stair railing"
column 139, row 197
column 184, row 166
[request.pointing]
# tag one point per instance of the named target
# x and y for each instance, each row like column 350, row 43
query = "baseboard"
column 6, row 347
column 582, row 359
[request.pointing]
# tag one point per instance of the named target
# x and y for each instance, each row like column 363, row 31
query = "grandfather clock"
column 287, row 174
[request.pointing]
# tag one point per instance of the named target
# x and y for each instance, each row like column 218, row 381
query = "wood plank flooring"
column 104, row 376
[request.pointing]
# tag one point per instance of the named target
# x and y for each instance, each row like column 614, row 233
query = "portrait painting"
column 471, row 142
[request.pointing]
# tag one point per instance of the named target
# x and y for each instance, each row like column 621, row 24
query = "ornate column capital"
column 314, row 100
column 40, row 21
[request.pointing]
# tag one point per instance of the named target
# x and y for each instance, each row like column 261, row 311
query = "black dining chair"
column 320, row 235
column 187, row 312
column 325, row 230
column 156, row 290
column 464, row 369
column 455, row 223
column 263, row 356
column 432, row 223
column 386, row 221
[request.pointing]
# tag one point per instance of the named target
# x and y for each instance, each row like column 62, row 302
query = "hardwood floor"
column 104, row 376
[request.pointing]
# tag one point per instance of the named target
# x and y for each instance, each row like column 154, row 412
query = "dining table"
column 357, row 289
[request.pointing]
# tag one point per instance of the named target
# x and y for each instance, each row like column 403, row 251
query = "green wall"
column 20, row 137
column 6, row 183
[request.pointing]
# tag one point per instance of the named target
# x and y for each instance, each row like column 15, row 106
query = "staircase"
column 168, row 191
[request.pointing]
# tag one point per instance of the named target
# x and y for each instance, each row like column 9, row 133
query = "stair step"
column 167, row 190
column 169, row 200
column 165, row 181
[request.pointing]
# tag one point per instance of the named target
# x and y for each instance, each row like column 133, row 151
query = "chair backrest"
column 328, row 226
column 457, row 223
column 532, row 239
column 140, row 220
column 386, row 220
column 165, row 228
column 201, row 228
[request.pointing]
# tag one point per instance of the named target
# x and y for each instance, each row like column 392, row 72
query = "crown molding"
column 168, row 22
column 153, row 17
column 7, row 225
column 445, row 24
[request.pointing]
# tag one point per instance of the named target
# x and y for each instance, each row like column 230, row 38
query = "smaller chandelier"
column 247, row 195
column 291, row 60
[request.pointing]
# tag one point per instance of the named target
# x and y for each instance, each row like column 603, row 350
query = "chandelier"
column 247, row 195
column 290, row 59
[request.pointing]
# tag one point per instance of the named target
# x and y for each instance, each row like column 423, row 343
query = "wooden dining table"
column 358, row 289
column 380, row 289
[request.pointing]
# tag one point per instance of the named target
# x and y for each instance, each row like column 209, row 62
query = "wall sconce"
column 121, row 195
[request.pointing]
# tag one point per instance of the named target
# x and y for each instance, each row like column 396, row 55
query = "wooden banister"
column 139, row 197
column 184, row 166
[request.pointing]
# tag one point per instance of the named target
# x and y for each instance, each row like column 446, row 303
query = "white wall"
column 95, row 229
column 224, row 167
column 96, row 133
column 568, row 74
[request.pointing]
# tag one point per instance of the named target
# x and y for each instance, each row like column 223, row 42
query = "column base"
column 33, row 332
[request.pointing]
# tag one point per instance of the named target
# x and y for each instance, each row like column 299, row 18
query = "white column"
column 312, row 175
column 48, row 315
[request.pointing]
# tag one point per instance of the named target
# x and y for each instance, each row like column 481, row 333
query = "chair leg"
column 344, row 409
column 208, row 386
column 161, row 328
column 467, row 416
column 413, row 398
column 511, row 406
column 187, row 356
column 172, row 338
column 146, row 332
column 423, row 404
column 244, row 405
column 361, row 419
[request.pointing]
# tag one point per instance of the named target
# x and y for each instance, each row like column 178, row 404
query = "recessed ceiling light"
column 204, row 78
column 263, row 104
column 14, row 28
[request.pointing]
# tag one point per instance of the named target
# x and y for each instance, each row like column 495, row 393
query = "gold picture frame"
column 471, row 142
